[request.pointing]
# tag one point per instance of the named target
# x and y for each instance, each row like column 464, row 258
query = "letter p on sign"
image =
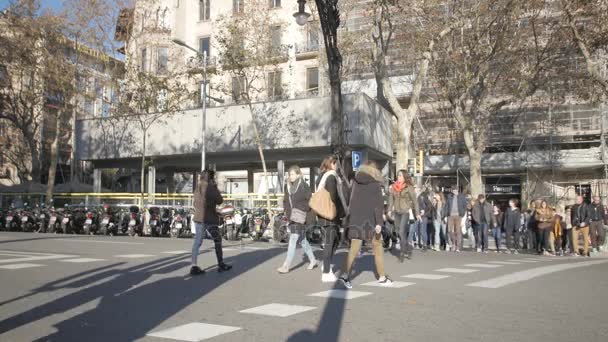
column 357, row 158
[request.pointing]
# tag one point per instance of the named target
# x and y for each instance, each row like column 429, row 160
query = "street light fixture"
column 204, row 97
column 301, row 15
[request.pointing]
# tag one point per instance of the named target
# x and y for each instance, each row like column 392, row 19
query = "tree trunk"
column 53, row 164
column 475, row 152
column 258, row 140
column 337, row 120
column 404, row 142
column 35, row 172
column 143, row 167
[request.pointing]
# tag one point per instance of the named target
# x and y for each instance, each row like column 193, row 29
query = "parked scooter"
column 11, row 222
column 67, row 222
column 27, row 220
column 55, row 218
column 228, row 225
column 135, row 227
column 108, row 222
column 180, row 223
column 154, row 222
column 91, row 222
column 42, row 217
column 165, row 222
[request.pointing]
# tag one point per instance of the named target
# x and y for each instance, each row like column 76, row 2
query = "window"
column 238, row 6
column 105, row 109
column 144, row 57
column 312, row 39
column 238, row 88
column 275, row 3
column 162, row 59
column 204, row 10
column 312, row 81
column 275, row 86
column 275, row 36
column 89, row 107
column 204, row 45
column 98, row 88
column 161, row 104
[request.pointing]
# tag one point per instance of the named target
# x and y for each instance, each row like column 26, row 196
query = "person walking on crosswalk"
column 295, row 201
column 206, row 220
column 403, row 208
column 366, row 208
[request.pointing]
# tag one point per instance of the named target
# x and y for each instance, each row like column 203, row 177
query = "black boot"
column 223, row 267
column 195, row 270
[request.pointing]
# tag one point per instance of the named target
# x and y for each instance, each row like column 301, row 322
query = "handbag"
column 321, row 202
column 297, row 215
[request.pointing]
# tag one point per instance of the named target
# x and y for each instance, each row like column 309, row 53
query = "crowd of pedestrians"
column 357, row 213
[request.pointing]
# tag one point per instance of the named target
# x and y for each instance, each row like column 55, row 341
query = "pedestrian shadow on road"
column 130, row 304
column 330, row 323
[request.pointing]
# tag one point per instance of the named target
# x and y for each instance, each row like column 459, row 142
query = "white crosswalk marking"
column 523, row 260
column 278, row 310
column 20, row 257
column 134, row 256
column 340, row 294
column 457, row 270
column 395, row 284
column 194, row 332
column 531, row 273
column 81, row 260
column 505, row 262
column 177, row 252
column 483, row 265
column 18, row 266
column 426, row 276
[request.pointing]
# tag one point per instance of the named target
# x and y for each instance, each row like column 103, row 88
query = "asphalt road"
column 75, row 288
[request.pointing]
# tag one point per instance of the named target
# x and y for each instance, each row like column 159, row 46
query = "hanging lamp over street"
column 301, row 15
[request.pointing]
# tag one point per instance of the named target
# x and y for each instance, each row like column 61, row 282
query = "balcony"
column 308, row 50
column 195, row 65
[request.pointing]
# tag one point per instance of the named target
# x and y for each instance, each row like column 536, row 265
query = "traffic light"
column 420, row 163
column 411, row 166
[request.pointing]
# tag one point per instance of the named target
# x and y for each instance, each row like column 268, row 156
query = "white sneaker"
column 385, row 282
column 312, row 265
column 478, row 250
column 328, row 278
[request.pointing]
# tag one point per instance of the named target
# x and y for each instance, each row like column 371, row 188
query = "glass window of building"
column 312, row 81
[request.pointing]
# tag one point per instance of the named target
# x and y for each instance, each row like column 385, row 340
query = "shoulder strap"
column 324, row 178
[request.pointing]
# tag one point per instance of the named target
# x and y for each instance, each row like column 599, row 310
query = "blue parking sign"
column 357, row 158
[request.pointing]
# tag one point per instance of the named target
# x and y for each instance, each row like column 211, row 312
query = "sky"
column 53, row 4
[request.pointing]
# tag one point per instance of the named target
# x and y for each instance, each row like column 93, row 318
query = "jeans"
column 402, row 223
column 214, row 231
column 420, row 229
column 471, row 234
column 481, row 236
column 332, row 241
column 440, row 228
column 497, row 234
column 291, row 249
column 596, row 230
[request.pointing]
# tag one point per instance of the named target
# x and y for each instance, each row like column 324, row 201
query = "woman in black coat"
column 365, row 220
column 295, row 201
column 331, row 181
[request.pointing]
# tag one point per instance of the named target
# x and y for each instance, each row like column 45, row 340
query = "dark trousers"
column 332, row 240
column 402, row 223
column 512, row 233
column 566, row 240
column 596, row 230
column 542, row 240
column 481, row 236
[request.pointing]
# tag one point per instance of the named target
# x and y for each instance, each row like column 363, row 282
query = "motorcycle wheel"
column 87, row 230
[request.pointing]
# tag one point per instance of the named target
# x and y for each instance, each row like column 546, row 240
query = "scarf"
column 399, row 186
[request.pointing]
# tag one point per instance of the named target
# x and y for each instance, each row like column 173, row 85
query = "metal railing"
column 251, row 200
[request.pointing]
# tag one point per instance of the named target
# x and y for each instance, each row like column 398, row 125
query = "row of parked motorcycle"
column 156, row 221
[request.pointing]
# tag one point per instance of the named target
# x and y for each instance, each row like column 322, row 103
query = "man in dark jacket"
column 512, row 222
column 206, row 198
column 456, row 208
column 422, row 222
column 365, row 220
column 580, row 224
column 596, row 223
column 482, row 215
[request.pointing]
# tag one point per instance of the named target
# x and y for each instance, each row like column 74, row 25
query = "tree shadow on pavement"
column 130, row 306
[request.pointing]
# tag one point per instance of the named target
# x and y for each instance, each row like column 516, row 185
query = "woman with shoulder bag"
column 365, row 221
column 330, row 181
column 295, row 201
column 402, row 201
column 545, row 217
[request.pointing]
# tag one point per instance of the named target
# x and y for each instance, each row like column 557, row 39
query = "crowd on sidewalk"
column 408, row 217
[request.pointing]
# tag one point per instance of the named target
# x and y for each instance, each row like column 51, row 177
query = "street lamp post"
column 204, row 97
column 329, row 17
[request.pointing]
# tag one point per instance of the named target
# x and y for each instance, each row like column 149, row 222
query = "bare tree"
column 497, row 56
column 251, row 54
column 587, row 23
